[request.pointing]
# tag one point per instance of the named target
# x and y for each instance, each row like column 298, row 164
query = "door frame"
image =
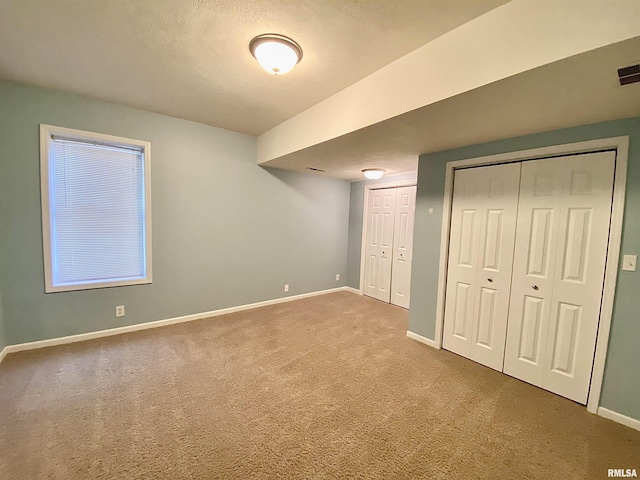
column 365, row 215
column 621, row 146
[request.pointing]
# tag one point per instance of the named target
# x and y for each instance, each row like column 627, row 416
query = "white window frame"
column 47, row 132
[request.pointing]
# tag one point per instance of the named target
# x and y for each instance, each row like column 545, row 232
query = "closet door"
column 403, row 246
column 558, row 273
column 483, row 222
column 379, row 243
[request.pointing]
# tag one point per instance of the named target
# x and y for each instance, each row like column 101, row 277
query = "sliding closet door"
column 403, row 246
column 558, row 273
column 379, row 243
column 483, row 222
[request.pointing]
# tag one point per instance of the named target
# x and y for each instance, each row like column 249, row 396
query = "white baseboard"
column 619, row 418
column 421, row 339
column 352, row 290
column 3, row 353
column 156, row 324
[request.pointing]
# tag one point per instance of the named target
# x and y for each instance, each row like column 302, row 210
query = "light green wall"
column 621, row 390
column 226, row 232
column 356, row 209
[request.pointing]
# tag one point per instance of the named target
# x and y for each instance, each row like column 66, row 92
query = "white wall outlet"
column 286, row 287
column 629, row 263
column 120, row 311
column 337, row 277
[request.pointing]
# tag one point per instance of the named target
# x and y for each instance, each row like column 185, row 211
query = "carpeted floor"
column 326, row 387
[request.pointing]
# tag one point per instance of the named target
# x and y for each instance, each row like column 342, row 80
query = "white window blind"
column 97, row 214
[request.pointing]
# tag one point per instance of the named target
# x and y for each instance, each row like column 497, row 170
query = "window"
column 96, row 210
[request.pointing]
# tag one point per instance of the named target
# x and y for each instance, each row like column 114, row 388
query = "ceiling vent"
column 629, row 75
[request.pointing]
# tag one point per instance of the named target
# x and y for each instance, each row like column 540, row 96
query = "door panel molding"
column 572, row 288
column 365, row 222
column 621, row 146
column 403, row 246
column 483, row 230
column 379, row 243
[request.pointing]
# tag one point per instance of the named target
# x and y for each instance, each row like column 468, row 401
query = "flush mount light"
column 373, row 173
column 277, row 54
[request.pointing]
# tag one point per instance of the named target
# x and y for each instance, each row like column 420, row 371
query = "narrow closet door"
column 379, row 243
column 483, row 216
column 496, row 243
column 403, row 246
column 560, row 255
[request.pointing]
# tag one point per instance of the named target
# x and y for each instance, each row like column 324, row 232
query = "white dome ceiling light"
column 277, row 54
column 373, row 173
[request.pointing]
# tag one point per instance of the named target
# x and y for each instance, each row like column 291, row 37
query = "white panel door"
column 483, row 223
column 403, row 246
column 558, row 273
column 379, row 243
column 496, row 244
column 463, row 260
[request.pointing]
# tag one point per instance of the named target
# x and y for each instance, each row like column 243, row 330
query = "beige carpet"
column 326, row 387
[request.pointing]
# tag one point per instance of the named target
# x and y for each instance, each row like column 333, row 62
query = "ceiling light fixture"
column 277, row 54
column 373, row 173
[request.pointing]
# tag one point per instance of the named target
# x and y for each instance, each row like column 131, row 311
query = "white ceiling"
column 579, row 90
column 190, row 58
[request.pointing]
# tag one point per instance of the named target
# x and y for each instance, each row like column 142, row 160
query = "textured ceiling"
column 190, row 58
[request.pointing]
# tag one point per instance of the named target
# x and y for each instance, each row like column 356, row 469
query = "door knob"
column 535, row 287
column 490, row 280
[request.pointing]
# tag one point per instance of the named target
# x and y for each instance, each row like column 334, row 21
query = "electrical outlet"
column 120, row 311
column 629, row 263
column 337, row 277
column 286, row 287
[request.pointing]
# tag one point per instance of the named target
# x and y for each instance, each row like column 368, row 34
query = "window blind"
column 97, row 212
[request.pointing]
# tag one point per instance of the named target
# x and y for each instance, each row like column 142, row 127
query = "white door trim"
column 621, row 145
column 365, row 212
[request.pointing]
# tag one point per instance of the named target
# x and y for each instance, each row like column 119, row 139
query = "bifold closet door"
column 558, row 273
column 379, row 243
column 483, row 224
column 403, row 246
